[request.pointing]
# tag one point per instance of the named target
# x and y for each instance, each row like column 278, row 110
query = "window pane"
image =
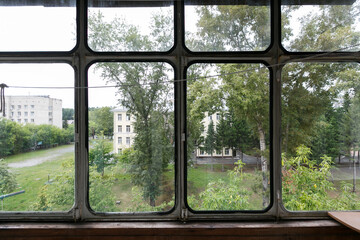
column 40, row 28
column 130, row 26
column 320, row 136
column 228, row 157
column 223, row 27
column 37, row 151
column 132, row 170
column 320, row 28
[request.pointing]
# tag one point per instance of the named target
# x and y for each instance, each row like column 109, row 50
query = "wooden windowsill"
column 349, row 219
column 309, row 230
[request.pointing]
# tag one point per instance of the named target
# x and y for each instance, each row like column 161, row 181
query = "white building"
column 123, row 129
column 34, row 109
column 124, row 132
column 200, row 152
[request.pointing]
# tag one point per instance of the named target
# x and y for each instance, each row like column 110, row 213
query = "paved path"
column 39, row 160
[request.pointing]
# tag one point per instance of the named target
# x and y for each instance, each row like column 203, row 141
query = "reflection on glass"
column 320, row 137
column 131, row 137
column 37, row 27
column 227, row 27
column 321, row 28
column 130, row 26
column 36, row 138
column 228, row 137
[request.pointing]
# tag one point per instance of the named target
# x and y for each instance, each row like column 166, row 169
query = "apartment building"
column 34, row 109
column 123, row 129
column 200, row 152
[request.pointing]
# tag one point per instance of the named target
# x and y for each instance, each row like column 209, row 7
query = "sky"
column 53, row 29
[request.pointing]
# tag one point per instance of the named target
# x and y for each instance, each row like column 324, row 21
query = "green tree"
column 101, row 121
column 141, row 89
column 7, row 179
column 100, row 155
column 248, row 95
column 210, row 141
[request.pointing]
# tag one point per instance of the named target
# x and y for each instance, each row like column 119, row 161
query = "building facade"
column 200, row 152
column 34, row 109
column 124, row 133
column 123, row 129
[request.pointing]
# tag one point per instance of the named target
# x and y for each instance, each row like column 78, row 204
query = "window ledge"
column 317, row 230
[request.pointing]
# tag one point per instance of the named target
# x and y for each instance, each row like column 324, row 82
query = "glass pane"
column 130, row 26
column 40, row 28
column 319, row 27
column 228, row 137
column 227, row 27
column 320, row 136
column 37, row 138
column 131, row 137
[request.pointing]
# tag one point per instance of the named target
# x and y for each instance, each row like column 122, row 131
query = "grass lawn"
column 34, row 154
column 32, row 179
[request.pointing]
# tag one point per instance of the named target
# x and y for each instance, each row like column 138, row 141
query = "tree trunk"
column 211, row 160
column 152, row 202
column 222, row 159
column 354, row 173
column 263, row 165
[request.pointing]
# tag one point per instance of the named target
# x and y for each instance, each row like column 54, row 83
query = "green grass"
column 32, row 179
column 34, row 154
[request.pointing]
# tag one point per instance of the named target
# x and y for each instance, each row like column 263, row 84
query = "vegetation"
column 17, row 138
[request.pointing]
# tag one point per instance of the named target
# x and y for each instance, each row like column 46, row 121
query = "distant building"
column 124, row 132
column 34, row 109
column 200, row 152
column 123, row 129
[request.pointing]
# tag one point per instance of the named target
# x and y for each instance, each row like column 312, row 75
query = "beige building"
column 34, row 109
column 123, row 129
column 200, row 152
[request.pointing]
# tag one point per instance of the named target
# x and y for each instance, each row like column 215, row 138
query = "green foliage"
column 100, row 155
column 306, row 186
column 210, row 144
column 224, row 195
column 60, row 193
column 142, row 90
column 235, row 27
column 101, row 121
column 7, row 179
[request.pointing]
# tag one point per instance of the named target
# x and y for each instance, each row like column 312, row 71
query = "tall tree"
column 248, row 95
column 102, row 121
column 142, row 89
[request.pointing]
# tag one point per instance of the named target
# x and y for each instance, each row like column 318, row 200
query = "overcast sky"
column 53, row 29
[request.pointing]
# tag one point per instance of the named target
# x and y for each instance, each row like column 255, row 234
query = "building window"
column 127, row 128
column 19, row 114
column 128, row 140
column 32, row 114
column 119, row 128
column 25, row 114
column 25, row 120
column 32, row 120
column 50, row 114
column 119, row 140
column 19, row 120
column 12, row 114
column 12, row 107
column 25, row 107
column 227, row 152
column 127, row 117
column 119, row 116
column 119, row 150
column 32, row 106
column 218, row 116
column 19, row 106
